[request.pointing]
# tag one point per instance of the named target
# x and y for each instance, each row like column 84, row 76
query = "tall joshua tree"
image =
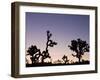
column 79, row 47
column 36, row 53
column 49, row 43
column 65, row 59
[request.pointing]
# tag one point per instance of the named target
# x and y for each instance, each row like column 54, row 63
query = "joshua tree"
column 65, row 59
column 49, row 43
column 79, row 47
column 35, row 53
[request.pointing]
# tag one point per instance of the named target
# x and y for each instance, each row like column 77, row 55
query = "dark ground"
column 59, row 64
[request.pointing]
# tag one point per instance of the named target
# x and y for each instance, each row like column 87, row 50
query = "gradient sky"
column 64, row 28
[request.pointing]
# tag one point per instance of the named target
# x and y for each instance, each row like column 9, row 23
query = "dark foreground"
column 59, row 64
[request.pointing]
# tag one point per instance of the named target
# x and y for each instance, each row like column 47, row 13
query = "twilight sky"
column 64, row 28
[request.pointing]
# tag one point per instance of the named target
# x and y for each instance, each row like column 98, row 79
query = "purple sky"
column 64, row 28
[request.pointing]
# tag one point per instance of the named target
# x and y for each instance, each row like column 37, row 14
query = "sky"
column 64, row 28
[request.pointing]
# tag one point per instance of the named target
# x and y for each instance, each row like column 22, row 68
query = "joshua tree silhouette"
column 35, row 53
column 65, row 59
column 49, row 43
column 80, row 47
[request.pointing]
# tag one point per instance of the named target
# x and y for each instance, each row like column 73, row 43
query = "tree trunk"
column 42, row 60
column 32, row 60
column 79, row 59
